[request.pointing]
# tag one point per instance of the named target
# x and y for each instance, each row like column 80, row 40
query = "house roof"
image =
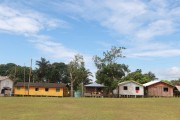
column 131, row 81
column 178, row 87
column 45, row 85
column 3, row 78
column 154, row 82
column 151, row 83
column 94, row 85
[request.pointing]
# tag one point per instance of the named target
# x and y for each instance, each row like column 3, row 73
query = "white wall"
column 131, row 89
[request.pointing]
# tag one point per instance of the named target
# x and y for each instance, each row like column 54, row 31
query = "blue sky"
column 59, row 29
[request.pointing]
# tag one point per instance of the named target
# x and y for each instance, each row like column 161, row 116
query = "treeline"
column 73, row 73
column 45, row 72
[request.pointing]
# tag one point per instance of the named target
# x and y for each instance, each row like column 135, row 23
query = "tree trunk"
column 72, row 89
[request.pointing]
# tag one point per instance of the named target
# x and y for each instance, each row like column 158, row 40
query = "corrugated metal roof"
column 94, row 85
column 156, row 81
column 151, row 83
column 178, row 87
column 47, row 85
column 125, row 82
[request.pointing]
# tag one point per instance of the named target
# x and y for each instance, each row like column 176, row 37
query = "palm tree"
column 42, row 70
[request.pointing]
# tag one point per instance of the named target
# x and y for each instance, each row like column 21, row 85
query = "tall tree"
column 85, row 76
column 43, row 70
column 109, row 72
column 76, row 69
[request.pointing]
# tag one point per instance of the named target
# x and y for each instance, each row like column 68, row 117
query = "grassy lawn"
column 51, row 108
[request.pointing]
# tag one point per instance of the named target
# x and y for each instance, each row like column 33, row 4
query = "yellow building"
column 40, row 89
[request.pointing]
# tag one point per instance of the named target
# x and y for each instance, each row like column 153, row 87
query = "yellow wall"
column 51, row 92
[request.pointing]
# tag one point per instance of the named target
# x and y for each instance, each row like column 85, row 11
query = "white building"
column 130, row 89
column 6, row 86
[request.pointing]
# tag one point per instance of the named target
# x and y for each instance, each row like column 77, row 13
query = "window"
column 125, row 88
column 46, row 89
column 165, row 89
column 137, row 88
column 36, row 89
column 18, row 88
column 57, row 89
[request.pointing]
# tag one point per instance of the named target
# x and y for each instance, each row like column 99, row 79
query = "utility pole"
column 82, row 92
column 29, row 76
column 24, row 79
column 15, row 73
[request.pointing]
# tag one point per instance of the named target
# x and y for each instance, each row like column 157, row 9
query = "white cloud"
column 170, row 73
column 158, row 53
column 159, row 27
column 137, row 18
column 24, row 21
column 115, row 15
column 142, row 21
column 30, row 24
column 54, row 49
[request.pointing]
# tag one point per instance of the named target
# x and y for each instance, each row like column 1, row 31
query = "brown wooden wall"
column 158, row 90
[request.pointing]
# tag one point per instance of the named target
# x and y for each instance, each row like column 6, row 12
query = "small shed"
column 130, row 89
column 177, row 91
column 93, row 90
column 6, row 86
column 158, row 89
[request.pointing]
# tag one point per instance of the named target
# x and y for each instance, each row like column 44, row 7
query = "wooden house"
column 6, row 86
column 93, row 90
column 40, row 89
column 130, row 89
column 177, row 91
column 158, row 89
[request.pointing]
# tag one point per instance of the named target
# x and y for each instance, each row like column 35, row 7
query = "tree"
column 43, row 70
column 175, row 82
column 59, row 72
column 77, row 72
column 139, row 77
column 151, row 76
column 167, row 81
column 109, row 72
column 110, row 75
column 85, row 76
column 15, row 72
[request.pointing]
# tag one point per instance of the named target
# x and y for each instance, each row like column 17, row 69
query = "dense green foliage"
column 109, row 72
column 138, row 76
column 175, row 82
column 55, row 72
column 15, row 72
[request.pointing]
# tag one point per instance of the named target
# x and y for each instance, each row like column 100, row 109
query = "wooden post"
column 29, row 76
column 24, row 80
column 82, row 92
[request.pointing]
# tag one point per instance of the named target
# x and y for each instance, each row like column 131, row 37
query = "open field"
column 51, row 108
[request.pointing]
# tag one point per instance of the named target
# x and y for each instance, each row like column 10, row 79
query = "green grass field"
column 51, row 108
